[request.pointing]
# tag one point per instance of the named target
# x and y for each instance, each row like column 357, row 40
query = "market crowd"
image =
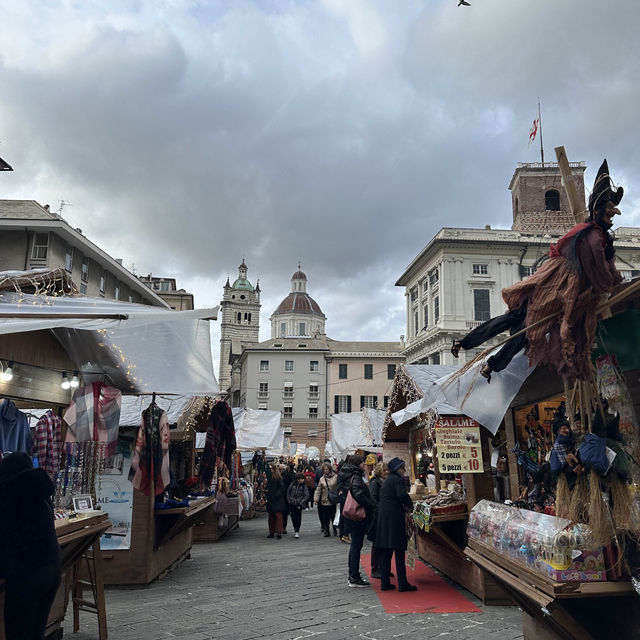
column 361, row 497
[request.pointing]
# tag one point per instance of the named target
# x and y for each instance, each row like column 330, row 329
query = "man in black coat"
column 29, row 551
column 350, row 479
column 391, row 531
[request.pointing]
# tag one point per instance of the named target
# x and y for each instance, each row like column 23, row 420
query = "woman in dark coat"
column 276, row 502
column 350, row 479
column 391, row 532
column 380, row 472
column 29, row 551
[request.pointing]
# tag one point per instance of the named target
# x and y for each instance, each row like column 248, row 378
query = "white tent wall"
column 358, row 430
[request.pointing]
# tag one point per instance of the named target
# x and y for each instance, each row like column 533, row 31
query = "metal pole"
column 540, row 125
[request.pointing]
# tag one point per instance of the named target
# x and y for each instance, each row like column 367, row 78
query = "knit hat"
column 395, row 464
column 371, row 459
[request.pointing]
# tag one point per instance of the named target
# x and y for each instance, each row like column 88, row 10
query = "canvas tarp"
column 136, row 348
column 258, row 429
column 470, row 394
column 358, row 430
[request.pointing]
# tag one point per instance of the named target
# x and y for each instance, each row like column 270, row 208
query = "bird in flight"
column 465, row 3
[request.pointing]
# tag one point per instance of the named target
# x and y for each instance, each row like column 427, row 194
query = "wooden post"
column 569, row 186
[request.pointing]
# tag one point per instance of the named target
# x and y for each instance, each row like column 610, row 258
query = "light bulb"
column 7, row 374
column 65, row 384
column 75, row 381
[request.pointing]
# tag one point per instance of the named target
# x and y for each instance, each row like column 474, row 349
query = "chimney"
column 487, row 227
column 118, row 260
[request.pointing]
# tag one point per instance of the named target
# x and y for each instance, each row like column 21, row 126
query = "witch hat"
column 602, row 191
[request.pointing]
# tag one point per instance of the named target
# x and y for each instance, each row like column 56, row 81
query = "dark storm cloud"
column 343, row 134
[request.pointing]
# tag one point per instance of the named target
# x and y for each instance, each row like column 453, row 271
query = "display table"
column 443, row 547
column 567, row 610
column 170, row 522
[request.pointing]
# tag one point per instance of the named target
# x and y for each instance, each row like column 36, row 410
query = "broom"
column 579, row 500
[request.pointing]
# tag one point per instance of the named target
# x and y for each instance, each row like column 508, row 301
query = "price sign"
column 458, row 445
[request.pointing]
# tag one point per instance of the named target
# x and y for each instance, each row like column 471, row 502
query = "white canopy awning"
column 470, row 394
column 358, row 430
column 136, row 348
column 258, row 429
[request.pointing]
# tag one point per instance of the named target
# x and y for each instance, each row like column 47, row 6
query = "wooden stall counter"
column 568, row 610
column 443, row 547
column 170, row 522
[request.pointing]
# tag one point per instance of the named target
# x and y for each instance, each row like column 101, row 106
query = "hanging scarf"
column 220, row 442
column 151, row 456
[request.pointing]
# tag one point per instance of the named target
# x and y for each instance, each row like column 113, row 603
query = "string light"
column 7, row 374
column 75, row 381
column 65, row 384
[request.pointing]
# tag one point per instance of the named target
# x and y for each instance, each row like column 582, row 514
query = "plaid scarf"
column 220, row 442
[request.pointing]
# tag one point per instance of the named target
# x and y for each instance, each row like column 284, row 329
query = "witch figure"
column 557, row 304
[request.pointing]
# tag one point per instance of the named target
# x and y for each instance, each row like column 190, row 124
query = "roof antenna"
column 63, row 204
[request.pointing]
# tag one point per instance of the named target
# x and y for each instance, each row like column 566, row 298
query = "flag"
column 534, row 130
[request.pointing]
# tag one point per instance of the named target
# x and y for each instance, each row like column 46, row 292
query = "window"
column 525, row 272
column 552, row 200
column 103, row 281
column 302, row 345
column 414, row 294
column 283, row 329
column 481, row 309
column 368, row 402
column 480, row 269
column 264, row 365
column 40, row 246
column 433, row 277
column 314, row 391
column 68, row 259
column 287, row 410
column 425, row 286
column 262, row 406
column 312, row 432
column 425, row 313
column 436, row 309
column 117, row 292
column 263, row 390
column 435, row 358
column 391, row 371
column 302, row 331
column 156, row 286
column 314, row 366
column 287, row 432
column 83, row 288
column 342, row 371
column 342, row 404
column 239, row 317
column 165, row 286
column 368, row 372
column 386, row 401
column 288, row 365
column 288, row 390
column 415, row 323
column 130, row 298
column 84, row 269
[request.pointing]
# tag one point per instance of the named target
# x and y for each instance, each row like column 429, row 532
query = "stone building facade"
column 166, row 288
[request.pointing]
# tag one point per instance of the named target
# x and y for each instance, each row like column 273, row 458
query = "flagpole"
column 540, row 124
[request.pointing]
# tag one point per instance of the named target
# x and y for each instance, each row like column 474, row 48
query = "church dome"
column 299, row 275
column 242, row 284
column 299, row 302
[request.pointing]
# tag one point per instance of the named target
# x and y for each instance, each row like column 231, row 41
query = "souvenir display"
column 547, row 544
column 81, row 469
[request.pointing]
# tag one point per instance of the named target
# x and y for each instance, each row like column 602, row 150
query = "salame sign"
column 458, row 445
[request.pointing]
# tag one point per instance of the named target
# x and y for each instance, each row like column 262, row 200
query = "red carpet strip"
column 434, row 595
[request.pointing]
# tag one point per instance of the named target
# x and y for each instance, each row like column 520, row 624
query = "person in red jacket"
column 310, row 481
column 568, row 286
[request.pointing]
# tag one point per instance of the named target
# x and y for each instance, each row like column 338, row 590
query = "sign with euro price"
column 458, row 445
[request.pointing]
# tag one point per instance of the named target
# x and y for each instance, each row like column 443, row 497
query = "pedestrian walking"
column 310, row 480
column 29, row 552
column 380, row 472
column 287, row 479
column 276, row 502
column 351, row 481
column 391, row 530
column 328, row 484
column 297, row 497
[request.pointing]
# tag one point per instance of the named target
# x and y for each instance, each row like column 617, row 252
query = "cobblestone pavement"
column 247, row 586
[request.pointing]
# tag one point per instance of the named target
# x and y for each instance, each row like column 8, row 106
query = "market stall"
column 360, row 430
column 449, row 462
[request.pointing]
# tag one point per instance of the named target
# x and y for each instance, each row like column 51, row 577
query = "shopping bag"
column 336, row 519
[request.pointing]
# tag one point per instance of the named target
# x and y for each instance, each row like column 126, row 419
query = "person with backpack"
column 327, row 488
column 297, row 497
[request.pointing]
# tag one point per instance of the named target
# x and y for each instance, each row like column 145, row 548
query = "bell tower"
column 240, row 322
column 539, row 201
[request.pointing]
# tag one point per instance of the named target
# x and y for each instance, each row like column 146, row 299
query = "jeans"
column 275, row 522
column 28, row 600
column 357, row 540
column 512, row 320
column 385, row 566
column 326, row 514
column 296, row 517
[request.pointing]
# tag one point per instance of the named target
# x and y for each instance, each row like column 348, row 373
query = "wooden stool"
column 92, row 561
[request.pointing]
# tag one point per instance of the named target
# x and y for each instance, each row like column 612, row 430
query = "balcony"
column 287, row 395
column 263, row 394
column 313, row 395
column 472, row 324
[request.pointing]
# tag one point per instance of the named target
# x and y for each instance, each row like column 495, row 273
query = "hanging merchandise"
column 151, row 456
column 47, row 443
column 220, row 442
column 259, row 475
column 82, row 465
column 14, row 429
column 94, row 414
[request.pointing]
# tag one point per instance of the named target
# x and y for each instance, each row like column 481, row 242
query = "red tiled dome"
column 299, row 302
column 298, row 275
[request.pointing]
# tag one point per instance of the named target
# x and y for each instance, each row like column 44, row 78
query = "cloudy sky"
column 188, row 134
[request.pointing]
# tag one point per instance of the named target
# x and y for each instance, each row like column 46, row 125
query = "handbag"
column 352, row 510
column 332, row 496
